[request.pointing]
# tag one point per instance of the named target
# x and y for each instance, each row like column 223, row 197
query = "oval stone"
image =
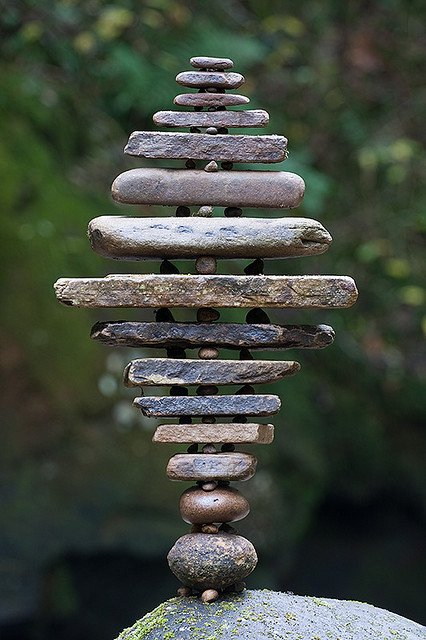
column 211, row 561
column 223, row 504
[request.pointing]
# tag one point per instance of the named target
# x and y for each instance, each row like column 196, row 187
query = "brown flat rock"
column 223, row 504
column 193, row 187
column 220, row 433
column 188, row 335
column 231, row 466
column 207, row 62
column 129, row 238
column 210, row 100
column 171, row 372
column 204, row 79
column 203, row 146
column 194, row 291
column 244, row 405
column 229, row 119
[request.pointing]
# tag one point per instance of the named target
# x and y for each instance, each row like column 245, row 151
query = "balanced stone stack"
column 211, row 558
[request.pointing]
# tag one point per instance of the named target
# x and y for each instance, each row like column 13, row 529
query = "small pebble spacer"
column 208, row 419
column 209, row 486
column 207, row 390
column 209, row 448
column 208, row 353
column 213, row 131
column 207, row 314
column 206, row 265
column 209, row 528
column 211, row 167
column 209, row 595
column 184, row 592
column 204, row 212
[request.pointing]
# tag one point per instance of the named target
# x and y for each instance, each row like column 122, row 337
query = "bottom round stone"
column 211, row 561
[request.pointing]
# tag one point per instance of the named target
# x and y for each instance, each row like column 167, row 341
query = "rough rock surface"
column 222, row 504
column 271, row 615
column 241, row 405
column 218, row 79
column 232, row 466
column 210, row 99
column 207, row 62
column 221, row 433
column 249, row 118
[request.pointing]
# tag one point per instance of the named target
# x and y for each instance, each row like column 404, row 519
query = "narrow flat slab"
column 169, row 372
column 203, row 146
column 237, row 405
column 229, row 119
column 206, row 62
column 128, row 238
column 210, row 100
column 215, row 466
column 268, row 189
column 226, row 335
column 194, row 291
column 204, row 79
column 220, row 433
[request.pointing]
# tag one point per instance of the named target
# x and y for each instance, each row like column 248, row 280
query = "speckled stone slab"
column 231, row 466
column 270, row 615
column 221, row 433
column 150, row 291
column 129, row 238
column 229, row 335
column 204, row 79
column 244, row 405
column 191, row 187
column 210, row 100
column 207, row 62
column 229, row 119
column 203, row 146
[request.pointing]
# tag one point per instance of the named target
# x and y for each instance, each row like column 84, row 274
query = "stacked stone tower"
column 212, row 557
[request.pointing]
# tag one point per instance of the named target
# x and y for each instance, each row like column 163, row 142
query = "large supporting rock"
column 242, row 405
column 221, row 433
column 211, row 466
column 228, row 119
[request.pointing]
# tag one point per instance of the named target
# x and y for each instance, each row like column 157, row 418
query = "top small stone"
column 204, row 62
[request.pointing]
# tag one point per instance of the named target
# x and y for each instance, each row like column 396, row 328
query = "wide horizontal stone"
column 194, row 291
column 242, row 405
column 230, row 466
column 210, row 100
column 193, row 187
column 203, row 146
column 129, row 238
column 188, row 335
column 228, row 119
column 223, row 504
column 204, row 79
column 210, row 561
column 207, row 62
column 171, row 371
column 220, row 433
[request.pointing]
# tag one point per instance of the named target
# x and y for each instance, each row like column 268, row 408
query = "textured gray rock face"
column 261, row 615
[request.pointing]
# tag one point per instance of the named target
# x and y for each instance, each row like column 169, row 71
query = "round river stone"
column 211, row 561
column 266, row 615
column 223, row 504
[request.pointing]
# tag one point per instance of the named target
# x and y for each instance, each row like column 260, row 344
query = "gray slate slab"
column 244, row 405
column 207, row 62
column 210, row 99
column 229, row 119
column 204, row 79
column 222, row 433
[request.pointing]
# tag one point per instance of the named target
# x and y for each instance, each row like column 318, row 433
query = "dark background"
column 339, row 502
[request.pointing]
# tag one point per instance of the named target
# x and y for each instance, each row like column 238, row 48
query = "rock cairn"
column 211, row 558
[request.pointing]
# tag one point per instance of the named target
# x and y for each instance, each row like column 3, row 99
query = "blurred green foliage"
column 345, row 83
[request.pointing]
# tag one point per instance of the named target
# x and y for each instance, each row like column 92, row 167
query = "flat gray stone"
column 227, row 335
column 194, row 291
column 129, row 238
column 206, row 62
column 230, row 466
column 173, row 371
column 203, row 146
column 229, row 119
column 241, row 405
column 210, row 100
column 204, row 79
column 193, row 187
column 222, row 433
column 270, row 615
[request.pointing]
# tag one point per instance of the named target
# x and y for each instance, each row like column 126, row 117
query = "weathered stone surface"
column 229, row 119
column 223, row 504
column 226, row 335
column 129, row 238
column 202, row 561
column 270, row 189
column 168, row 372
column 207, row 62
column 266, row 615
column 211, row 466
column 241, row 405
column 210, row 100
column 204, row 79
column 203, row 146
column 221, row 433
column 148, row 291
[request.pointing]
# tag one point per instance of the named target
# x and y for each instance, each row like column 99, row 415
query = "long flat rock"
column 203, row 146
column 210, row 100
column 204, row 79
column 226, row 335
column 241, row 405
column 221, row 433
column 194, row 291
column 128, row 238
column 266, row 189
column 229, row 119
column 170, row 371
column 211, row 466
column 207, row 62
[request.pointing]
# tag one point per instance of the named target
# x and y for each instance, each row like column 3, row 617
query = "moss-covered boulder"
column 258, row 615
